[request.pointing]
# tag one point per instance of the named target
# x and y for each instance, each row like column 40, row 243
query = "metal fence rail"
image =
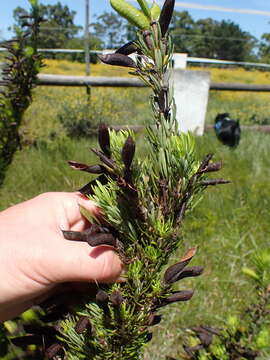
column 189, row 59
column 102, row 81
column 63, row 80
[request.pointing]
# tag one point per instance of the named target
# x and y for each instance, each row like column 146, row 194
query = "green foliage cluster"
column 58, row 27
column 243, row 336
column 144, row 202
column 19, row 77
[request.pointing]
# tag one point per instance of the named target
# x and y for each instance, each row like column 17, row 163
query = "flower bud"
column 213, row 182
column 104, row 139
column 212, row 167
column 166, row 15
column 102, row 296
column 82, row 324
column 127, row 49
column 154, row 319
column 73, row 235
column 128, row 152
column 183, row 295
column 53, row 350
column 100, row 239
column 118, row 60
column 88, row 188
column 92, row 169
column 116, row 298
column 106, row 160
column 173, row 272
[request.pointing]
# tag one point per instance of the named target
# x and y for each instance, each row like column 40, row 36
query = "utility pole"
column 86, row 39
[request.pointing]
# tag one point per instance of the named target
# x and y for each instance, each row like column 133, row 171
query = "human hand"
column 35, row 257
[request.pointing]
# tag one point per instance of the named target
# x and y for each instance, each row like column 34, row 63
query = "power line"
column 223, row 9
column 210, row 37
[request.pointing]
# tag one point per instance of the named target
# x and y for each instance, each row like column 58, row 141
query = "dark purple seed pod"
column 190, row 272
column 92, row 169
column 204, row 336
column 162, row 100
column 172, row 273
column 49, row 331
column 116, row 298
column 101, row 239
column 107, row 161
column 154, row 319
column 118, row 60
column 93, row 229
column 205, row 162
column 102, row 297
column 213, row 182
column 24, row 341
column 73, row 235
column 183, row 295
column 176, row 274
column 88, row 188
column 82, row 324
column 53, row 350
column 166, row 15
column 127, row 49
column 58, row 312
column 128, row 152
column 104, row 139
column 212, row 167
column 149, row 337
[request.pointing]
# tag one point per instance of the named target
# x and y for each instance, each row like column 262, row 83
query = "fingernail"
column 123, row 276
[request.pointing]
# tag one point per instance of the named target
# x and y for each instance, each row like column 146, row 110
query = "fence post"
column 179, row 60
column 191, row 90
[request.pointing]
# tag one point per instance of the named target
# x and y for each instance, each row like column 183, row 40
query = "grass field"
column 228, row 225
column 130, row 106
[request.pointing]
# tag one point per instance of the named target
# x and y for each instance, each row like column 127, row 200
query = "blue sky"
column 254, row 23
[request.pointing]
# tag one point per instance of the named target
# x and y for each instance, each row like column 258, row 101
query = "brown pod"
column 127, row 49
column 212, row 167
column 73, row 235
column 205, row 162
column 100, row 239
column 107, row 161
column 128, row 152
column 88, row 188
column 24, row 341
column 213, row 182
column 53, row 350
column 204, row 336
column 154, row 319
column 82, row 324
column 92, row 169
column 116, row 298
column 162, row 100
column 190, row 272
column 172, row 273
column 166, row 15
column 183, row 295
column 118, row 60
column 104, row 139
column 102, row 296
column 40, row 330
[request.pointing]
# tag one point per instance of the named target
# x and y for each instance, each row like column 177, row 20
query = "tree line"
column 200, row 38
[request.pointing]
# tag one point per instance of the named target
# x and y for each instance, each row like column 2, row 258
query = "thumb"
column 80, row 262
